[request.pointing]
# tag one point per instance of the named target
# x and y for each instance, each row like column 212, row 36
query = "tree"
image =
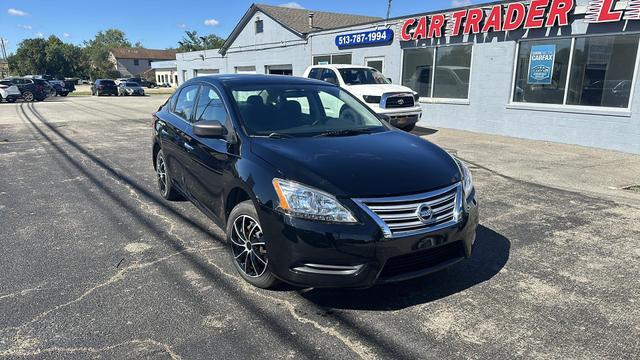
column 50, row 56
column 97, row 52
column 192, row 42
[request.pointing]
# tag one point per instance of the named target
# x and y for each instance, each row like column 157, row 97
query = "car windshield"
column 132, row 84
column 302, row 111
column 362, row 76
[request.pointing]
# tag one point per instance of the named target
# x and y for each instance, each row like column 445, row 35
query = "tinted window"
column 315, row 73
column 328, row 74
column 186, row 101
column 132, row 84
column 210, row 106
column 107, row 82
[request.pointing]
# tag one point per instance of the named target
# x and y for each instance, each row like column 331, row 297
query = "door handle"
column 188, row 147
column 164, row 132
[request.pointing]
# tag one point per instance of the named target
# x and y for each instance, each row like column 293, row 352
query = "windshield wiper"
column 344, row 132
column 275, row 135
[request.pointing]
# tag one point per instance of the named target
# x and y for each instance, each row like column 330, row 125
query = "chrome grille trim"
column 398, row 216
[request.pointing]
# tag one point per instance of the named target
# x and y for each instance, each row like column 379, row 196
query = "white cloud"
column 292, row 4
column 16, row 12
column 211, row 22
column 40, row 35
column 460, row 3
column 182, row 26
column 26, row 27
column 65, row 34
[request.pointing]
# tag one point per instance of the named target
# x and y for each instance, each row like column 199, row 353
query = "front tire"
column 248, row 249
column 164, row 179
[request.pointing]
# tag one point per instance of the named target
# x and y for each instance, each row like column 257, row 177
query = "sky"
column 161, row 24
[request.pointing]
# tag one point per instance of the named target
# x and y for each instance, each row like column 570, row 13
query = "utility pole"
column 4, row 54
column 388, row 10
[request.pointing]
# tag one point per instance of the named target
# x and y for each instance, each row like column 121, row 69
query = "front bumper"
column 313, row 254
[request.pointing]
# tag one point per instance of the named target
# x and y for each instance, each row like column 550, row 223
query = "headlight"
column 416, row 97
column 304, row 202
column 467, row 179
column 372, row 99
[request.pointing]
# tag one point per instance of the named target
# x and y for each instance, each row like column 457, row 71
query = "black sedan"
column 312, row 187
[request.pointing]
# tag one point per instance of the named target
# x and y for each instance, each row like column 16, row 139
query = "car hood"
column 370, row 165
column 377, row 90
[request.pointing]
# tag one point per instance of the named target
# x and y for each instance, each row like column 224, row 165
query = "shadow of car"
column 490, row 255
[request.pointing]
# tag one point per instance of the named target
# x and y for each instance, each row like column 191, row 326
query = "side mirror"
column 391, row 81
column 384, row 117
column 209, row 129
column 331, row 80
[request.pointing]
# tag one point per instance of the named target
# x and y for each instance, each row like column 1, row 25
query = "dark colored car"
column 143, row 82
column 312, row 188
column 104, row 87
column 31, row 89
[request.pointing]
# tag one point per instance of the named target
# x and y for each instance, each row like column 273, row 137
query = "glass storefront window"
column 452, row 71
column 600, row 74
column 416, row 70
column 602, row 71
column 530, row 89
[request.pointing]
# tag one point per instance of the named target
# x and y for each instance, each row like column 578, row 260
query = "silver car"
column 130, row 88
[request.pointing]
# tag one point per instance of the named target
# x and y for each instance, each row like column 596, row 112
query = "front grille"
column 422, row 260
column 395, row 102
column 400, row 216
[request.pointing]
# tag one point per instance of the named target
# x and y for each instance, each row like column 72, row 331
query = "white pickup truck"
column 399, row 104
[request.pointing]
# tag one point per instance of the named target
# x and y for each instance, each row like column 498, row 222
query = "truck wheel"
column 409, row 128
column 64, row 94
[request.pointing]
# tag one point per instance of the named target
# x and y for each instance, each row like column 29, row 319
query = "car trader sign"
column 368, row 38
column 541, row 64
column 535, row 14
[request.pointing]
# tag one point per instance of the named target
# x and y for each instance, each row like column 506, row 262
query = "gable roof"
column 140, row 53
column 297, row 20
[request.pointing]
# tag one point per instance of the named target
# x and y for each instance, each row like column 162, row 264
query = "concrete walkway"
column 590, row 171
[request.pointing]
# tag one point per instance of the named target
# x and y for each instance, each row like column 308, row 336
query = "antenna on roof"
column 388, row 10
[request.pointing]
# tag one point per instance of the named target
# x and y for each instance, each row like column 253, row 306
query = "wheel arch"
column 156, row 150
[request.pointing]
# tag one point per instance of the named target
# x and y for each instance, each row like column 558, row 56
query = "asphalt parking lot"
column 95, row 264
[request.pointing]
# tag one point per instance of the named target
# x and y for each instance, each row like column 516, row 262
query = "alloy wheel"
column 161, row 172
column 28, row 96
column 248, row 247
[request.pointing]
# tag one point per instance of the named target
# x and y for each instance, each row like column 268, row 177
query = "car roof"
column 248, row 79
column 341, row 66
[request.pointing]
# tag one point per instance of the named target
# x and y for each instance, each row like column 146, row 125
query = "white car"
column 399, row 104
column 9, row 92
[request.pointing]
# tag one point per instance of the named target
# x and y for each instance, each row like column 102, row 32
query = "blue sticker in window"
column 541, row 64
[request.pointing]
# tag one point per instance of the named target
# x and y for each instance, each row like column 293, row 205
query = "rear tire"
column 28, row 96
column 164, row 179
column 247, row 247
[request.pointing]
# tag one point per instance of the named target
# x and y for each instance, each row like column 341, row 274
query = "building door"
column 376, row 63
column 279, row 70
column 245, row 69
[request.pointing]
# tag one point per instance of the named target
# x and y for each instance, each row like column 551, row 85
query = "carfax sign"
column 368, row 38
column 541, row 64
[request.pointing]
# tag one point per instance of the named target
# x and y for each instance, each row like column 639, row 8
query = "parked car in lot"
column 104, row 87
column 130, row 88
column 31, row 89
column 8, row 91
column 398, row 103
column 311, row 185
column 142, row 82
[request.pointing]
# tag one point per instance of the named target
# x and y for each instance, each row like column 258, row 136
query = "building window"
column 332, row 59
column 600, row 74
column 136, row 62
column 450, row 80
column 259, row 26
